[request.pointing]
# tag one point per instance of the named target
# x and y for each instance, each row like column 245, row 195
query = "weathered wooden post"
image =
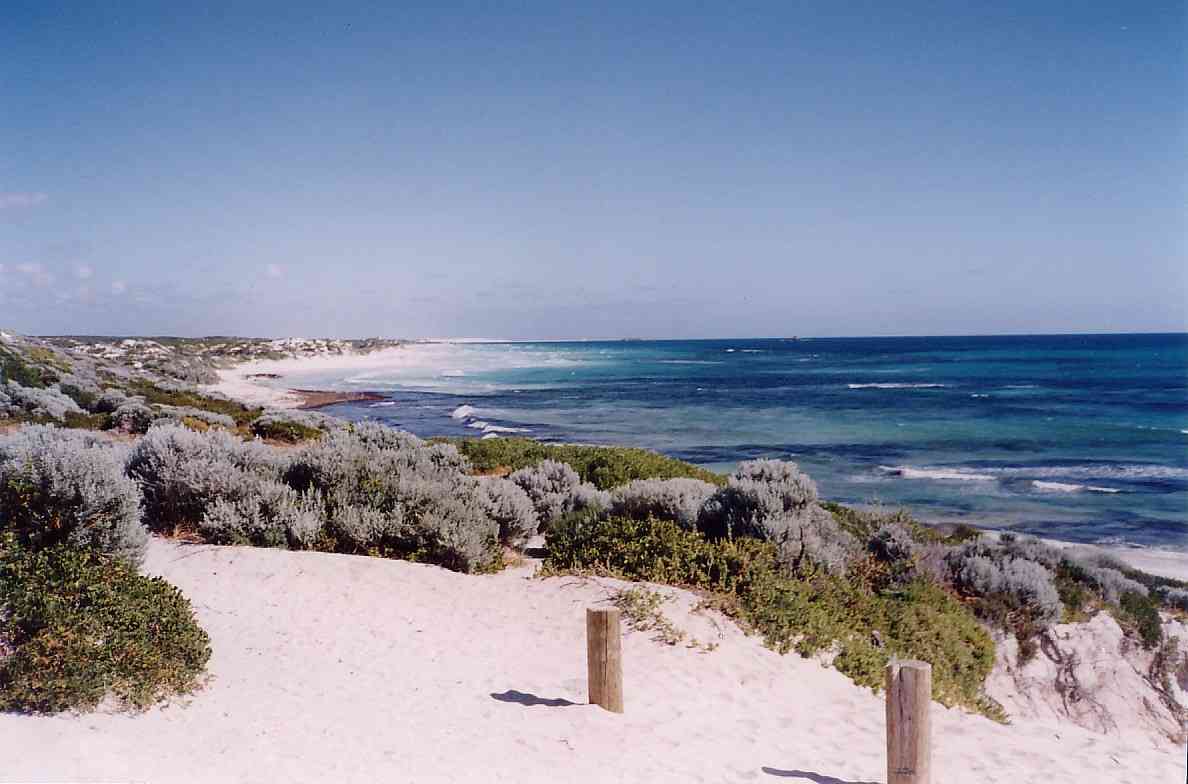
column 909, row 726
column 604, row 658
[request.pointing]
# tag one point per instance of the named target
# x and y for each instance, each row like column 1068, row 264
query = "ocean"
column 1075, row 437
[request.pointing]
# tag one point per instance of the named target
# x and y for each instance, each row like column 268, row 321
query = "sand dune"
column 340, row 668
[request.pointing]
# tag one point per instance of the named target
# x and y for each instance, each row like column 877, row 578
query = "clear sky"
column 552, row 169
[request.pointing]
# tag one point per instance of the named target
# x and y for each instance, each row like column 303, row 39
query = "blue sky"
column 534, row 170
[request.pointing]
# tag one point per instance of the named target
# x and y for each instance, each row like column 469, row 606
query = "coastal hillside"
column 330, row 667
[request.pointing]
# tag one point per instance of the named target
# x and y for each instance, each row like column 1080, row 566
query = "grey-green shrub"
column 274, row 515
column 756, row 495
column 983, row 569
column 1175, row 597
column 892, row 543
column 61, row 486
column 556, row 490
column 44, row 402
column 391, row 492
column 773, row 501
column 511, row 509
column 182, row 473
column 132, row 416
column 680, row 500
column 178, row 413
column 110, row 400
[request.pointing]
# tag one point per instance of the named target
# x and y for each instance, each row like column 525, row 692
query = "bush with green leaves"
column 82, row 627
column 680, row 499
column 110, row 400
column 183, row 413
column 292, row 427
column 810, row 611
column 556, row 490
column 893, row 543
column 64, row 486
column 274, row 515
column 605, row 467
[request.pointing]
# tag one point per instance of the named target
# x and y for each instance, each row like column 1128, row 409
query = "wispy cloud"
column 35, row 274
column 13, row 199
column 274, row 270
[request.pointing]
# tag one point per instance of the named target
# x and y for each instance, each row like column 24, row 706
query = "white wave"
column 1120, row 471
column 1056, row 487
column 478, row 424
column 729, row 351
column 485, row 436
column 955, row 474
column 505, row 429
column 752, row 350
column 1185, row 432
column 384, row 404
column 896, row 385
column 1066, row 487
column 978, row 394
column 453, row 373
column 463, row 411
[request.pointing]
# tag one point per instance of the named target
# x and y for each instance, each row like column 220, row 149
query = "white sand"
column 274, row 393
column 334, row 668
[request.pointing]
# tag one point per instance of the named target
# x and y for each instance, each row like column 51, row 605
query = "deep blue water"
column 1075, row 437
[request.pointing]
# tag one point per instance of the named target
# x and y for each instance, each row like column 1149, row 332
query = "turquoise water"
column 1076, row 437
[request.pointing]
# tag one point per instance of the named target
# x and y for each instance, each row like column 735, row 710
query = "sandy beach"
column 344, row 668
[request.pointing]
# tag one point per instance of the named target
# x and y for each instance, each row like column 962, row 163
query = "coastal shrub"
column 132, row 417
column 110, row 400
column 413, row 499
column 182, row 473
column 274, row 515
column 511, row 508
column 290, row 427
column 773, row 501
column 84, row 393
column 757, row 495
column 45, row 402
column 1008, row 584
column 1138, row 612
column 810, row 612
column 81, row 627
column 16, row 370
column 181, row 414
column 605, row 467
column 1176, row 598
column 178, row 394
column 680, row 499
column 555, row 490
column 892, row 543
column 62, row 486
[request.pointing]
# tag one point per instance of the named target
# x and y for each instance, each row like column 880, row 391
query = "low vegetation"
column 81, row 627
column 602, row 466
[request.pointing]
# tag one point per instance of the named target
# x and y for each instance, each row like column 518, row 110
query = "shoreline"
column 249, row 384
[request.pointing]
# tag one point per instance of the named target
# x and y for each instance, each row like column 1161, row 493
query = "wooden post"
column 909, row 727
column 604, row 658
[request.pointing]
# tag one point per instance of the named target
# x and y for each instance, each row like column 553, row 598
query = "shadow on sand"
column 520, row 698
column 815, row 778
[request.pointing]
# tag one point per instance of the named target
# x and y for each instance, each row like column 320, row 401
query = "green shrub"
column 808, row 613
column 1141, row 613
column 13, row 368
column 285, row 431
column 156, row 395
column 605, row 467
column 81, row 627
